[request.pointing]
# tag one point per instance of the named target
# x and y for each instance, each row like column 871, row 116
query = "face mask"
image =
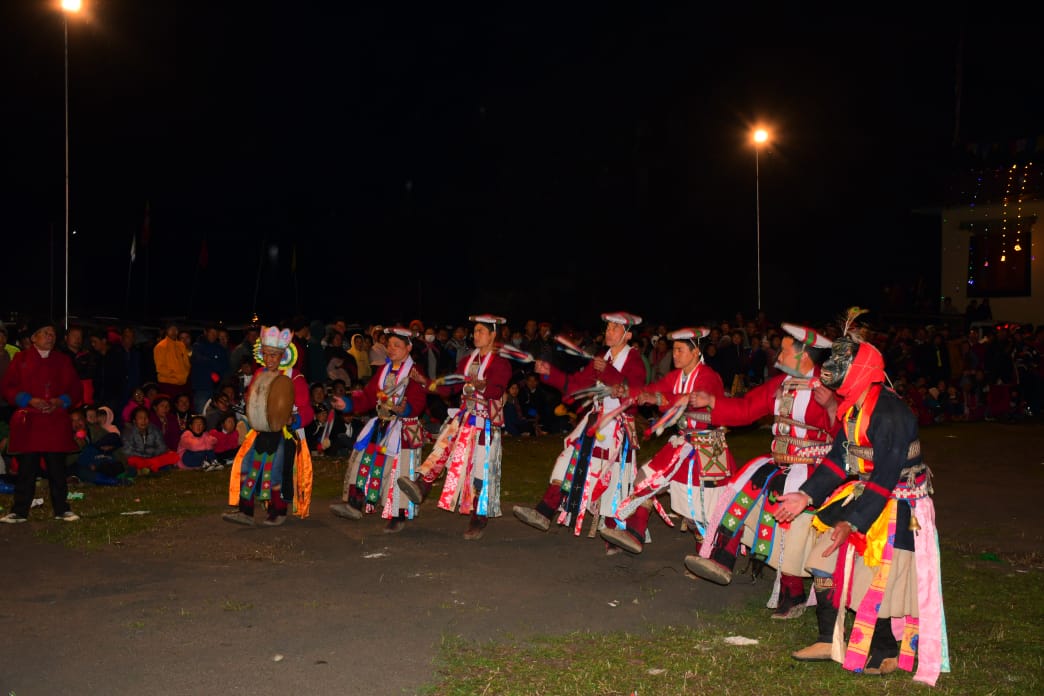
column 428, row 338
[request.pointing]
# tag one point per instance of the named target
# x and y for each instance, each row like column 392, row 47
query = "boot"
column 884, row 650
column 791, row 598
column 826, row 615
column 717, row 568
column 540, row 516
column 632, row 537
column 352, row 508
column 416, row 491
column 244, row 515
column 475, row 527
column 396, row 524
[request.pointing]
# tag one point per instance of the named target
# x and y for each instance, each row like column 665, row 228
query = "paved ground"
column 325, row 606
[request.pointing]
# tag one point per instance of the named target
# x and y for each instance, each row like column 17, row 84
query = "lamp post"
column 760, row 137
column 68, row 7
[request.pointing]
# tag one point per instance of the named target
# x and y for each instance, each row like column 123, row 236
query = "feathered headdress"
column 848, row 323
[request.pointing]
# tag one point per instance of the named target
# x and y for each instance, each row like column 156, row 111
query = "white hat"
column 625, row 318
column 807, row 336
column 487, row 319
column 690, row 334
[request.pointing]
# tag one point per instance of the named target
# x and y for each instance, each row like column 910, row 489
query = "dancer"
column 596, row 469
column 273, row 463
column 803, row 427
column 468, row 446
column 389, row 445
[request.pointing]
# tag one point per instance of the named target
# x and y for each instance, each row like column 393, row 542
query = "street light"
column 68, row 7
column 760, row 137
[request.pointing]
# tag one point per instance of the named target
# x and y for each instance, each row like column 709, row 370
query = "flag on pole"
column 203, row 256
column 134, row 247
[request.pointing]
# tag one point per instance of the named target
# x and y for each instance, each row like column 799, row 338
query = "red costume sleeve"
column 744, row 410
column 498, row 374
column 417, row 398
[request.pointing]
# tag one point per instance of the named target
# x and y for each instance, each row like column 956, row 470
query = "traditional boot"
column 244, row 515
column 417, row 490
column 475, row 527
column 277, row 510
column 884, row 650
column 540, row 516
column 352, row 509
column 791, row 597
column 826, row 616
column 632, row 537
column 396, row 524
column 717, row 568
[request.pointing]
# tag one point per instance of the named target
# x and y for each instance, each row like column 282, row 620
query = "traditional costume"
column 692, row 464
column 468, row 446
column 274, row 465
column 596, row 470
column 872, row 494
column 389, row 444
column 802, row 431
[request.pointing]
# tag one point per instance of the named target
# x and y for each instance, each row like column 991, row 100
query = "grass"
column 994, row 606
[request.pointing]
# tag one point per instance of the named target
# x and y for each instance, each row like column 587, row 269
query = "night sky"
column 420, row 162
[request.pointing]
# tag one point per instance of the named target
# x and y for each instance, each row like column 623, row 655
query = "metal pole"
column 757, row 223
column 65, row 31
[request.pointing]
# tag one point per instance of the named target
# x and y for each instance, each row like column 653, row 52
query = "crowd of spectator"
column 176, row 401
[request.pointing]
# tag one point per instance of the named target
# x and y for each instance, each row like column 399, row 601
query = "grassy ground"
column 994, row 610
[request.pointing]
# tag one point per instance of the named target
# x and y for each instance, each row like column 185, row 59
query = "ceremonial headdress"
column 692, row 335
column 272, row 337
column 628, row 320
column 402, row 332
column 807, row 336
column 490, row 320
column 281, row 339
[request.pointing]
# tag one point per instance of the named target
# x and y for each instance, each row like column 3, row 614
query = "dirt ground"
column 324, row 605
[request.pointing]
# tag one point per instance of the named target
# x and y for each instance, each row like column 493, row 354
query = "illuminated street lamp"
column 760, row 137
column 68, row 7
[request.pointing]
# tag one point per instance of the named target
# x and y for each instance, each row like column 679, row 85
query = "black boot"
column 416, row 491
column 826, row 616
column 884, row 649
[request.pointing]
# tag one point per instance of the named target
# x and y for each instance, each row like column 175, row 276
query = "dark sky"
column 547, row 164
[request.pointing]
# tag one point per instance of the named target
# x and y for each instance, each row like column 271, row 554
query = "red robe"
column 34, row 376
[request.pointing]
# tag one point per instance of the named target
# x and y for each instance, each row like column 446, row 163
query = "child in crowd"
column 196, row 446
column 182, row 411
column 226, row 441
column 165, row 422
column 137, row 400
column 102, row 461
column 146, row 451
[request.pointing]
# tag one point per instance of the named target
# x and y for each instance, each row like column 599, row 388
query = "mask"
column 850, row 370
column 428, row 338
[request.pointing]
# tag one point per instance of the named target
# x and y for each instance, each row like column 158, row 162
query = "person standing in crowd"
column 468, row 446
column 172, row 363
column 245, row 349
column 693, row 463
column 42, row 385
column 73, row 345
column 877, row 550
column 209, row 363
column 596, row 469
column 109, row 371
column 804, row 424
column 390, row 443
column 274, row 466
